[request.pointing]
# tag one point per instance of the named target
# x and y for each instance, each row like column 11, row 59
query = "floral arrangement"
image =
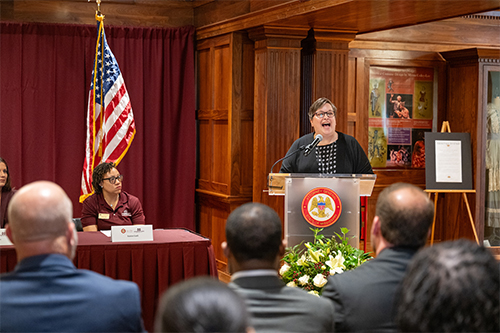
column 308, row 268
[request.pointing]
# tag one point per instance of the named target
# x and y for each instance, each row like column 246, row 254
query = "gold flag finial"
column 98, row 12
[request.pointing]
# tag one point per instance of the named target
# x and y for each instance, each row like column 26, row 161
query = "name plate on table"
column 132, row 233
column 4, row 240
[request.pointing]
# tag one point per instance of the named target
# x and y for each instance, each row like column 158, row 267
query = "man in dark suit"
column 364, row 297
column 254, row 248
column 45, row 292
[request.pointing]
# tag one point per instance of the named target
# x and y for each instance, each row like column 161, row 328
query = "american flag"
column 110, row 120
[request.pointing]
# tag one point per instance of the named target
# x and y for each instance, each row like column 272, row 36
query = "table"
column 174, row 255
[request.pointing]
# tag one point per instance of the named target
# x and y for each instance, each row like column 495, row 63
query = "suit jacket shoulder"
column 48, row 294
column 275, row 307
column 364, row 297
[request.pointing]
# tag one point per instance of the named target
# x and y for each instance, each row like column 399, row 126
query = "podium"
column 328, row 201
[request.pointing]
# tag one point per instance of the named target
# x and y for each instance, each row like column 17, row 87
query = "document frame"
column 431, row 182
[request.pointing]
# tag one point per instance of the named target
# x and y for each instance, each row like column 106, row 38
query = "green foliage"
column 309, row 267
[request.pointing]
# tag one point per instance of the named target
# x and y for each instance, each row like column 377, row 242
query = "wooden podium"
column 323, row 201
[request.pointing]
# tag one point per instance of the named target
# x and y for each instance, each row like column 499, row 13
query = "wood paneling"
column 361, row 16
column 466, row 112
column 276, row 102
column 445, row 35
column 225, row 127
column 331, row 70
column 222, row 17
column 212, row 211
column 147, row 13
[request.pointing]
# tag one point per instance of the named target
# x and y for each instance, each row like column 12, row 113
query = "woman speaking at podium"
column 109, row 205
column 325, row 150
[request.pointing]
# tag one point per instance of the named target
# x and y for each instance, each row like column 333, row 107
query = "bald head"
column 39, row 211
column 405, row 214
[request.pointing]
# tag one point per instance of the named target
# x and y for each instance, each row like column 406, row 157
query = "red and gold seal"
column 321, row 207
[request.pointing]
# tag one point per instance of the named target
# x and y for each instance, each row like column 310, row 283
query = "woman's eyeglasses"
column 113, row 179
column 320, row 115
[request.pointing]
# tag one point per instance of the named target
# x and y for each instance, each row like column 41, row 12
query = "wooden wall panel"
column 276, row 103
column 445, row 35
column 145, row 13
column 360, row 102
column 247, row 162
column 222, row 77
column 221, row 159
column 225, row 81
column 219, row 217
column 204, row 219
column 331, row 70
column 204, row 152
column 204, row 66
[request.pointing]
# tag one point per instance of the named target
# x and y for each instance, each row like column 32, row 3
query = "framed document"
column 448, row 161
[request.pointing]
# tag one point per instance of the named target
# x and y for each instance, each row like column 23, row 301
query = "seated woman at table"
column 109, row 205
column 6, row 192
column 335, row 153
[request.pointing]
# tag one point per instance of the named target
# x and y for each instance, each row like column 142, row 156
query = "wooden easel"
column 446, row 127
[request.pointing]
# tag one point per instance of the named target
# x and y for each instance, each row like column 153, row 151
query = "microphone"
column 313, row 144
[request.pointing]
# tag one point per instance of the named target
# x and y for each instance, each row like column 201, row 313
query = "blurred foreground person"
column 45, row 292
column 201, row 304
column 451, row 287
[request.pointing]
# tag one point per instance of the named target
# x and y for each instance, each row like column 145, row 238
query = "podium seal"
column 321, row 207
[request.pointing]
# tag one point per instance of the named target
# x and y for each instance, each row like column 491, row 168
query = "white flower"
column 336, row 264
column 284, row 268
column 315, row 255
column 291, row 284
column 319, row 280
column 302, row 260
column 336, row 270
column 314, row 292
column 303, row 280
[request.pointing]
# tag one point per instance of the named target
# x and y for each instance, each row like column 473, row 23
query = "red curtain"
column 44, row 80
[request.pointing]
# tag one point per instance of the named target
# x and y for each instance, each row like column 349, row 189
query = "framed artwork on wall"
column 400, row 112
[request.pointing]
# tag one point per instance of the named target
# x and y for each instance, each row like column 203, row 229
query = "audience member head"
column 253, row 234
column 101, row 172
column 4, row 176
column 318, row 104
column 40, row 221
column 403, row 216
column 201, row 304
column 450, row 287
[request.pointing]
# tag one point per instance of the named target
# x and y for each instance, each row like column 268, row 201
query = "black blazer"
column 351, row 158
column 364, row 297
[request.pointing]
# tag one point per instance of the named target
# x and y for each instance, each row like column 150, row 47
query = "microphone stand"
column 301, row 148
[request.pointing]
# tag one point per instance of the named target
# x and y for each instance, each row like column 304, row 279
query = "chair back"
column 78, row 224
